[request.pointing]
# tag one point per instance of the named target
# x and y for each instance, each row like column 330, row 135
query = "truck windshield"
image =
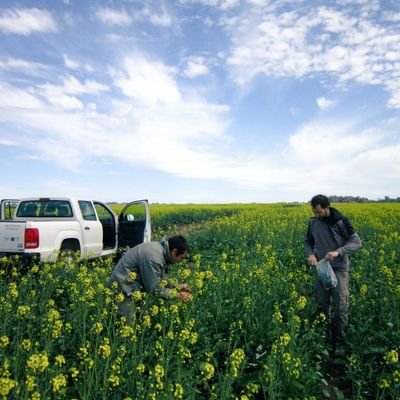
column 44, row 208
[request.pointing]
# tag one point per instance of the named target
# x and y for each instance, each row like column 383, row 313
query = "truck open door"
column 134, row 224
column 7, row 208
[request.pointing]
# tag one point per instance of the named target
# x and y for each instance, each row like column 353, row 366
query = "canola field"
column 249, row 332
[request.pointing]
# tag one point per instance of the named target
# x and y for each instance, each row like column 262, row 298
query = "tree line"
column 358, row 199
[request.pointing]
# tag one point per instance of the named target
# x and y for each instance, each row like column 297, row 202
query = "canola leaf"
column 338, row 393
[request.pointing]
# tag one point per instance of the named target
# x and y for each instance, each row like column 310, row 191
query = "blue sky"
column 202, row 101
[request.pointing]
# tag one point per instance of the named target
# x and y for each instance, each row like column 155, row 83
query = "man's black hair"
column 178, row 242
column 321, row 200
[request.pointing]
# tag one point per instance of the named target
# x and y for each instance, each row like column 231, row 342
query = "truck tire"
column 70, row 250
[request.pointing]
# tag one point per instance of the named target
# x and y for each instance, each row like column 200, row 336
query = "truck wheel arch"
column 70, row 247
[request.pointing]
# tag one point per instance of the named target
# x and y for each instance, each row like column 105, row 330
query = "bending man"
column 143, row 268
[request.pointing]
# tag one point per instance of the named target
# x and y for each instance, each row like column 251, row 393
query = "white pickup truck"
column 42, row 228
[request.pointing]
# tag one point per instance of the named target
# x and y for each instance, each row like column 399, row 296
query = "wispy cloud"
column 324, row 103
column 71, row 64
column 25, row 21
column 162, row 18
column 155, row 124
column 64, row 96
column 113, row 17
column 110, row 16
column 12, row 98
column 300, row 44
column 196, row 66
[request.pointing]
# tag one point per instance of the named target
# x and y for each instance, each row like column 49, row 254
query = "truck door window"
column 87, row 210
column 134, row 212
column 9, row 209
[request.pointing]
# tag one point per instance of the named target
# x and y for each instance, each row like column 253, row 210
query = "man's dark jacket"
column 329, row 234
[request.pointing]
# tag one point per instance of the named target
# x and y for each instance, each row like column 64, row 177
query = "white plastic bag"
column 326, row 274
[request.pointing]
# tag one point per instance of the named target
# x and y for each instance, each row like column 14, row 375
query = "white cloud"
column 113, row 17
column 392, row 16
column 71, row 64
column 162, row 19
column 258, row 3
column 8, row 142
column 222, row 4
column 147, row 82
column 25, row 21
column 324, row 103
column 196, row 66
column 110, row 16
column 24, row 66
column 158, row 125
column 14, row 98
column 302, row 43
column 64, row 96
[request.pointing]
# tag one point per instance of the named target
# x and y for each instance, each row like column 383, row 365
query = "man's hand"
column 185, row 288
column 312, row 260
column 331, row 255
column 184, row 296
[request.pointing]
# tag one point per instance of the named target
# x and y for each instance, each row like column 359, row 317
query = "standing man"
column 143, row 268
column 330, row 235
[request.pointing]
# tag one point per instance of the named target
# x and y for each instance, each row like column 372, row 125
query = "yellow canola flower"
column 158, row 327
column 364, row 289
column 6, row 385
column 178, row 392
column 35, row 396
column 4, row 341
column 158, row 371
column 57, row 327
column 119, row 298
column 154, row 310
column 105, row 349
column 26, row 344
column 184, row 335
column 301, row 302
column 74, row 373
column 35, row 269
column 392, row 357
column 146, row 321
column 58, row 382
column 193, row 338
column 277, row 314
column 137, row 295
column 132, row 276
column 207, row 370
column 30, row 383
column 23, row 311
column 284, row 339
column 114, row 380
column 170, row 335
column 126, row 331
column 60, row 360
column 38, row 362
column 248, row 301
column 97, row 327
column 185, row 273
column 236, row 359
column 164, row 283
column 384, row 384
column 140, row 368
